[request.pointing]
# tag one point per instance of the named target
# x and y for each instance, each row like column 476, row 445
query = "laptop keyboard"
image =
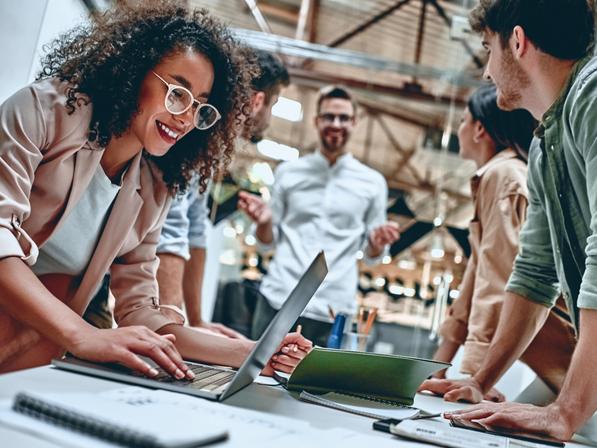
column 206, row 378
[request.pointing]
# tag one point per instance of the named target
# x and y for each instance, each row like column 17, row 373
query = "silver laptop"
column 216, row 383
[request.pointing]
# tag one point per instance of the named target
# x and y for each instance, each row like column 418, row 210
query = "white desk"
column 268, row 399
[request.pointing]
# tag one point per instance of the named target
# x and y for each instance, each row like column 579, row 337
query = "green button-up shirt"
column 558, row 243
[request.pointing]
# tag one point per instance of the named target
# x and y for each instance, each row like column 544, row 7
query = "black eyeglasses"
column 331, row 118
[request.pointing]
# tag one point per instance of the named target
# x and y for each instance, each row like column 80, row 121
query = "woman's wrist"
column 72, row 333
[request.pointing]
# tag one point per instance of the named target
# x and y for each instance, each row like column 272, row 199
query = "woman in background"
column 498, row 142
column 124, row 112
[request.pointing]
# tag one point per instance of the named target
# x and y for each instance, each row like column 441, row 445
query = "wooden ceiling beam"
column 407, row 92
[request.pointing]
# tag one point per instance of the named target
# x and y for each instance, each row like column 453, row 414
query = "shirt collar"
column 555, row 110
column 505, row 154
column 340, row 161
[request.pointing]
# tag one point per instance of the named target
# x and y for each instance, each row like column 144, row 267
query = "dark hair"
column 272, row 74
column 561, row 28
column 335, row 91
column 508, row 129
column 106, row 61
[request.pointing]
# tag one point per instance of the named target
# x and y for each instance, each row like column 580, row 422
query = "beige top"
column 46, row 163
column 500, row 199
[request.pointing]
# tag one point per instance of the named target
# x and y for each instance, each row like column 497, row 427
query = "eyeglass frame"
column 172, row 87
column 349, row 118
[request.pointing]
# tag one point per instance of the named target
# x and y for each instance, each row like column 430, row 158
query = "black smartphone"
column 384, row 425
column 535, row 438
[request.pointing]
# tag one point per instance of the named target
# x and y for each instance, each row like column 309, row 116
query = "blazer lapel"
column 122, row 217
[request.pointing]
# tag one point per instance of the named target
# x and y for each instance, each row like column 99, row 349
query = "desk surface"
column 268, row 399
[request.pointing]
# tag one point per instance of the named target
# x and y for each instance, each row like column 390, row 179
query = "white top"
column 316, row 207
column 70, row 248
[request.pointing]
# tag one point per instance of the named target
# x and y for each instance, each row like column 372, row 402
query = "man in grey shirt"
column 182, row 243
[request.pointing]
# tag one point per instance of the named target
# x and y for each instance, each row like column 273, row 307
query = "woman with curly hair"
column 122, row 116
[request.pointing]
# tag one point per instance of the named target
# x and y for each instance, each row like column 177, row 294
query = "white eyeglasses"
column 179, row 99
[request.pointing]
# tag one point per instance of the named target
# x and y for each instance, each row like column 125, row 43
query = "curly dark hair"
column 105, row 62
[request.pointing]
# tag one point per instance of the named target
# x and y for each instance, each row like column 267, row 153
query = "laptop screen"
column 280, row 325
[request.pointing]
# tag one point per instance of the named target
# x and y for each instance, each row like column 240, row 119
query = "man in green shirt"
column 539, row 59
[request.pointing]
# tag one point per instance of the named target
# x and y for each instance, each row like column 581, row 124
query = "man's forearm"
column 192, row 285
column 578, row 399
column 445, row 353
column 264, row 232
column 520, row 320
column 212, row 349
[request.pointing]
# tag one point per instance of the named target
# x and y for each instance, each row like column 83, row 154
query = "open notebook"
column 123, row 420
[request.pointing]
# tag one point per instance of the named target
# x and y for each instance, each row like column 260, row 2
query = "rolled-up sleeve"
column 534, row 275
column 198, row 221
column 134, row 285
column 584, row 134
column 22, row 137
column 174, row 237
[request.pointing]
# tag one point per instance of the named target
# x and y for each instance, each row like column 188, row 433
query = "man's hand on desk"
column 547, row 420
column 467, row 389
column 291, row 351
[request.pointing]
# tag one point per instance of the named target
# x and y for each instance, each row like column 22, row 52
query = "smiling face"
column 335, row 123
column 153, row 126
column 505, row 72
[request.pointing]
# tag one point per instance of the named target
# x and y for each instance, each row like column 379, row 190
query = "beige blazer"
column 46, row 162
column 500, row 198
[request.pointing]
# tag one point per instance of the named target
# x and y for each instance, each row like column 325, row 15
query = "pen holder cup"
column 356, row 342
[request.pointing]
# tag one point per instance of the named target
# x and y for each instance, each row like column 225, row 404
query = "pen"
column 331, row 313
column 426, row 416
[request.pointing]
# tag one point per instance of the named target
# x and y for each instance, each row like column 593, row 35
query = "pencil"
column 299, row 328
column 370, row 320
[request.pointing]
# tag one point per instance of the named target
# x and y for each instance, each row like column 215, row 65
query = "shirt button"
column 551, row 147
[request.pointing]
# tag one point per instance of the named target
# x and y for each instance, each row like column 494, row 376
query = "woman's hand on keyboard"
column 291, row 351
column 124, row 344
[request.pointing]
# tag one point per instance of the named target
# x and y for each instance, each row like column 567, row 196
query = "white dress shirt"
column 316, row 207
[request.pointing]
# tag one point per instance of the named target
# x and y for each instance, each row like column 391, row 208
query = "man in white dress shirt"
column 327, row 201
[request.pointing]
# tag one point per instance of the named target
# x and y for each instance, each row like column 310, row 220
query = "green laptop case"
column 371, row 375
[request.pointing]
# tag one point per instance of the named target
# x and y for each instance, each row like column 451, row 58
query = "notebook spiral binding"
column 59, row 416
column 378, row 400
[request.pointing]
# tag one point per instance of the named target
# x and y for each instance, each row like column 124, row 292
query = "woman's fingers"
column 299, row 353
column 132, row 361
column 161, row 349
